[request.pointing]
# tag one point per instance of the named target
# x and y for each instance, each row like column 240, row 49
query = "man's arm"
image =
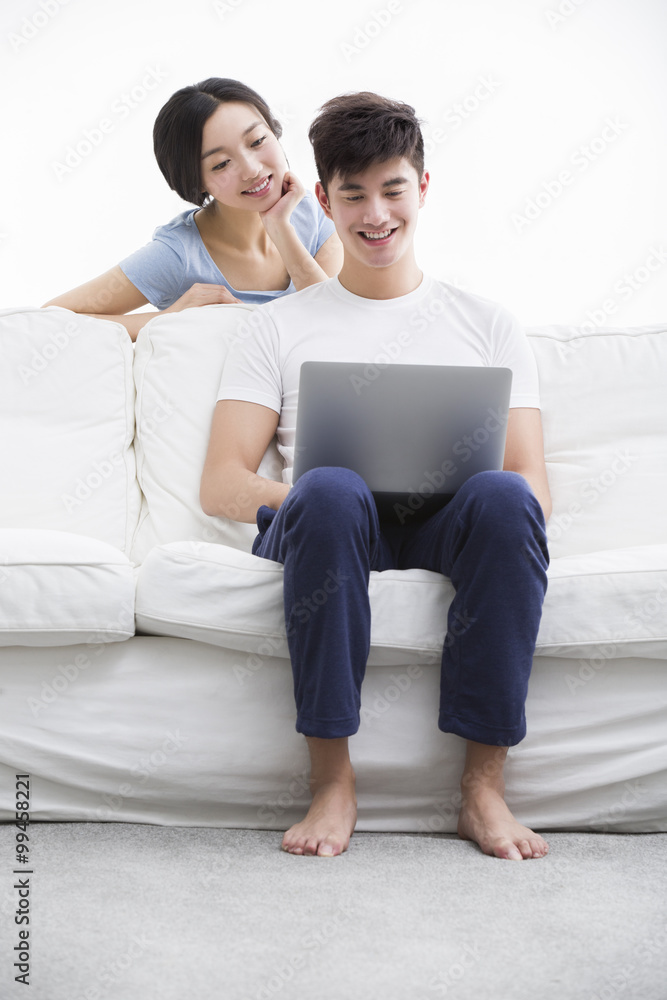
column 240, row 434
column 524, row 452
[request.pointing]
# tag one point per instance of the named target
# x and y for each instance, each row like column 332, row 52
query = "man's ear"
column 322, row 198
column 423, row 187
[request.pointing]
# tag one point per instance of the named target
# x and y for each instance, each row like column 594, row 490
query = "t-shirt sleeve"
column 158, row 271
column 512, row 350
column 251, row 371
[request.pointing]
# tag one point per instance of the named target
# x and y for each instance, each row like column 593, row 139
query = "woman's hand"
column 292, row 193
column 202, row 295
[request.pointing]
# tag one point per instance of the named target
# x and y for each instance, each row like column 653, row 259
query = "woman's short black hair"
column 177, row 133
column 353, row 131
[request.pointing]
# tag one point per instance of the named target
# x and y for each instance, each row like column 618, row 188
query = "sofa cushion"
column 608, row 604
column 604, row 437
column 58, row 588
column 604, row 413
column 177, row 368
column 231, row 598
column 67, row 424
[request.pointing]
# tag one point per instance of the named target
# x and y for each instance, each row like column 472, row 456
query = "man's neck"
column 380, row 282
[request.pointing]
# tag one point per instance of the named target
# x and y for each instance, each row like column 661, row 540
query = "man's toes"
column 508, row 851
column 292, row 844
column 310, row 846
column 540, row 848
column 526, row 848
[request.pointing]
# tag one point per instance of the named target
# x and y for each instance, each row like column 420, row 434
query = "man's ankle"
column 341, row 776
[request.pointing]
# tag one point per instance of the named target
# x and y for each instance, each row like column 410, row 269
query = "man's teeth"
column 378, row 236
column 260, row 187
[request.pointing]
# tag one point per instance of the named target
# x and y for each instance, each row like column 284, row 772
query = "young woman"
column 256, row 235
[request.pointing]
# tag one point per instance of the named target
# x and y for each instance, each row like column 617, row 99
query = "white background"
column 555, row 72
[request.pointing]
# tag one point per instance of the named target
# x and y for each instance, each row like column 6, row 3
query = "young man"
column 489, row 539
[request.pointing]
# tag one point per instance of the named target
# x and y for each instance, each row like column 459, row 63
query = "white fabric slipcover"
column 169, row 731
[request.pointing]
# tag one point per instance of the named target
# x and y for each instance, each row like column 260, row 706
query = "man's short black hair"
column 353, row 131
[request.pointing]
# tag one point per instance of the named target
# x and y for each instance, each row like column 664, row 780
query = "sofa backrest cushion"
column 67, row 425
column 177, row 369
column 604, row 413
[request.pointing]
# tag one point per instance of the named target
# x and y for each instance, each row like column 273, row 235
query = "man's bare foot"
column 486, row 819
column 329, row 823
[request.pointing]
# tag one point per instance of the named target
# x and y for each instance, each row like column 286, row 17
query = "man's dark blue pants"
column 489, row 540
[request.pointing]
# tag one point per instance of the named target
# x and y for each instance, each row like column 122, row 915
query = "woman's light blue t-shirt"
column 176, row 257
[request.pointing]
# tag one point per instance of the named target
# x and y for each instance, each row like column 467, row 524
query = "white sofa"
column 144, row 671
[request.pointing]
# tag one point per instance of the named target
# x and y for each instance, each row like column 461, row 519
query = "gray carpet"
column 136, row 912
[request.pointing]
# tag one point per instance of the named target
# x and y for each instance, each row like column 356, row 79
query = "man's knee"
column 330, row 487
column 502, row 497
column 500, row 485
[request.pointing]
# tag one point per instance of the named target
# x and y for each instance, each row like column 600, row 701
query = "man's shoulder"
column 465, row 297
column 299, row 301
column 471, row 305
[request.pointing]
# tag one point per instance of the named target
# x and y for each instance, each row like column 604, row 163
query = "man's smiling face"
column 375, row 211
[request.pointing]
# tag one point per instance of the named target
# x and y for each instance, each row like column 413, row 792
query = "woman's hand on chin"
column 279, row 214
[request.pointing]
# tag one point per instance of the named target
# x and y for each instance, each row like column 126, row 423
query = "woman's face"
column 240, row 154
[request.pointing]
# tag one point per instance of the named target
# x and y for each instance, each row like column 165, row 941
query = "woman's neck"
column 232, row 228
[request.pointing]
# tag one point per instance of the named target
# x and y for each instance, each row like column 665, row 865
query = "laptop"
column 414, row 433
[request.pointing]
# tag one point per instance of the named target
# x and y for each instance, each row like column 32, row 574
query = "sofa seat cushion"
column 59, row 588
column 607, row 604
column 223, row 596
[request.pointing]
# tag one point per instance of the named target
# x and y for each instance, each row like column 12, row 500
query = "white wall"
column 535, row 88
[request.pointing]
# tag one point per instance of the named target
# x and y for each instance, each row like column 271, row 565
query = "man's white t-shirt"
column 436, row 324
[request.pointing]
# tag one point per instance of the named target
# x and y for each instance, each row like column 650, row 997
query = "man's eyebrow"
column 219, row 149
column 349, row 186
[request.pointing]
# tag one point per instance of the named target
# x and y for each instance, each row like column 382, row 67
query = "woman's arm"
column 330, row 256
column 112, row 295
column 109, row 296
column 303, row 269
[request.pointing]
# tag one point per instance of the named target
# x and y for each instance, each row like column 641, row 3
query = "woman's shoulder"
column 182, row 226
column 310, row 223
column 308, row 207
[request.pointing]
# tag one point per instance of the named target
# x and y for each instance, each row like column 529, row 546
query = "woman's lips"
column 264, row 187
